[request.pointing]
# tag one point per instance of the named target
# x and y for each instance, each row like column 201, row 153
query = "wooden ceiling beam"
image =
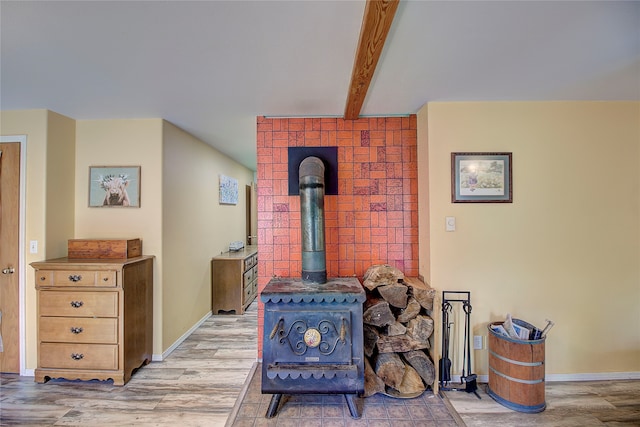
column 378, row 16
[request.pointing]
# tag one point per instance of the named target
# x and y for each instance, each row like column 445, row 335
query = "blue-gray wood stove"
column 313, row 340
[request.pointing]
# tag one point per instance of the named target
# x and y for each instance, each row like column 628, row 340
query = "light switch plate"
column 477, row 342
column 450, row 223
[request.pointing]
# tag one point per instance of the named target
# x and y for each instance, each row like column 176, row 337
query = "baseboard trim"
column 168, row 351
column 598, row 376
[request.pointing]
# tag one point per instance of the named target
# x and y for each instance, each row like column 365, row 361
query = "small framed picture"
column 481, row 178
column 114, row 186
column 228, row 190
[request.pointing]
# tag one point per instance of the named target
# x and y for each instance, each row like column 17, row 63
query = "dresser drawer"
column 78, row 330
column 76, row 278
column 78, row 304
column 84, row 278
column 78, row 356
column 247, row 277
column 249, row 262
column 247, row 291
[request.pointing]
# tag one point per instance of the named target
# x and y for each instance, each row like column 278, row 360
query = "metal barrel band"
column 518, row 380
column 515, row 362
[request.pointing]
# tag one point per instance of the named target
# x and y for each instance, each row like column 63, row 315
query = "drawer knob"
column 76, row 330
column 77, row 356
column 75, row 277
column 42, row 279
column 105, row 279
column 76, row 304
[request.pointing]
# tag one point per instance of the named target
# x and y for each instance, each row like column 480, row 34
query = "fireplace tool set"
column 469, row 379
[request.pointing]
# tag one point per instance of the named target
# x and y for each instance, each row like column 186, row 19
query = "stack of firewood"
column 397, row 327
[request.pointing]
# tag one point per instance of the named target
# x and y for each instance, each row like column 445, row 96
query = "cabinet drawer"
column 84, row 278
column 78, row 356
column 247, row 277
column 247, row 292
column 78, row 304
column 78, row 330
column 249, row 262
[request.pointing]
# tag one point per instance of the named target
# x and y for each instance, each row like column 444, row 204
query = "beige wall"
column 124, row 143
column 195, row 226
column 567, row 248
column 49, row 212
column 59, row 153
column 61, row 144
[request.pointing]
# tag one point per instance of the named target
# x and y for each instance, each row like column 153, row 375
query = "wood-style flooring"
column 196, row 385
column 569, row 404
column 199, row 383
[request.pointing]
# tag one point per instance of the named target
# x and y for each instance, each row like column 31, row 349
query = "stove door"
column 313, row 335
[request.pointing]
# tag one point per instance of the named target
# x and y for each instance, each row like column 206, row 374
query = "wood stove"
column 313, row 340
column 313, row 332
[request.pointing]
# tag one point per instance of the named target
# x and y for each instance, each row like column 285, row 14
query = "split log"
column 399, row 344
column 420, row 329
column 422, row 364
column 396, row 329
column 377, row 312
column 390, row 369
column 381, row 274
column 410, row 312
column 411, row 382
column 370, row 339
column 372, row 383
column 395, row 294
column 422, row 292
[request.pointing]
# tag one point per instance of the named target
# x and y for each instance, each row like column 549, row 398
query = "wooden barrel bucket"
column 516, row 371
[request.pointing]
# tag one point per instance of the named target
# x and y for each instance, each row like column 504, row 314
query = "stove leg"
column 353, row 405
column 273, row 405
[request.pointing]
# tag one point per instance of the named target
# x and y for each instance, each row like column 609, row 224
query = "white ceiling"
column 211, row 67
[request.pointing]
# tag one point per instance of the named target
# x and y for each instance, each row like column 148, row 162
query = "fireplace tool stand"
column 469, row 379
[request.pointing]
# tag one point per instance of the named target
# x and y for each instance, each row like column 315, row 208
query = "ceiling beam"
column 378, row 16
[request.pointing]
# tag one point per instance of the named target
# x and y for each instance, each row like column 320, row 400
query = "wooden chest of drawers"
column 95, row 318
column 234, row 280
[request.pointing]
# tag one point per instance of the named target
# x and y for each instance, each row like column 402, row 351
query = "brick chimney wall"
column 374, row 217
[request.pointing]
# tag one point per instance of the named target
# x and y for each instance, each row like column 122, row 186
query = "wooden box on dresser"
column 95, row 318
column 234, row 280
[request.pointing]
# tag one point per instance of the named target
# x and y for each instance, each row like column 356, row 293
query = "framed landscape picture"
column 481, row 178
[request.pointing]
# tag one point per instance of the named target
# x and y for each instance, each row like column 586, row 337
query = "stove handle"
column 343, row 330
column 275, row 328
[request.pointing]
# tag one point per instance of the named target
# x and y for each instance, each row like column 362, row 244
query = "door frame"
column 22, row 139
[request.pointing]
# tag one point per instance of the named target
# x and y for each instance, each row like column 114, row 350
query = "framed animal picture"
column 114, row 186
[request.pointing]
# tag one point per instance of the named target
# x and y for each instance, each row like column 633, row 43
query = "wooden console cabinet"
column 95, row 318
column 234, row 280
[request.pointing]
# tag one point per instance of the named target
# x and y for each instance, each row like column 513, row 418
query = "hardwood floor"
column 196, row 385
column 199, row 383
column 569, row 404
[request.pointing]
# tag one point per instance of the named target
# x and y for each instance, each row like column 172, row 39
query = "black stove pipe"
column 314, row 267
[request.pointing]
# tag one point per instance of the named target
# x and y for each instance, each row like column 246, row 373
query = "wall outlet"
column 478, row 342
